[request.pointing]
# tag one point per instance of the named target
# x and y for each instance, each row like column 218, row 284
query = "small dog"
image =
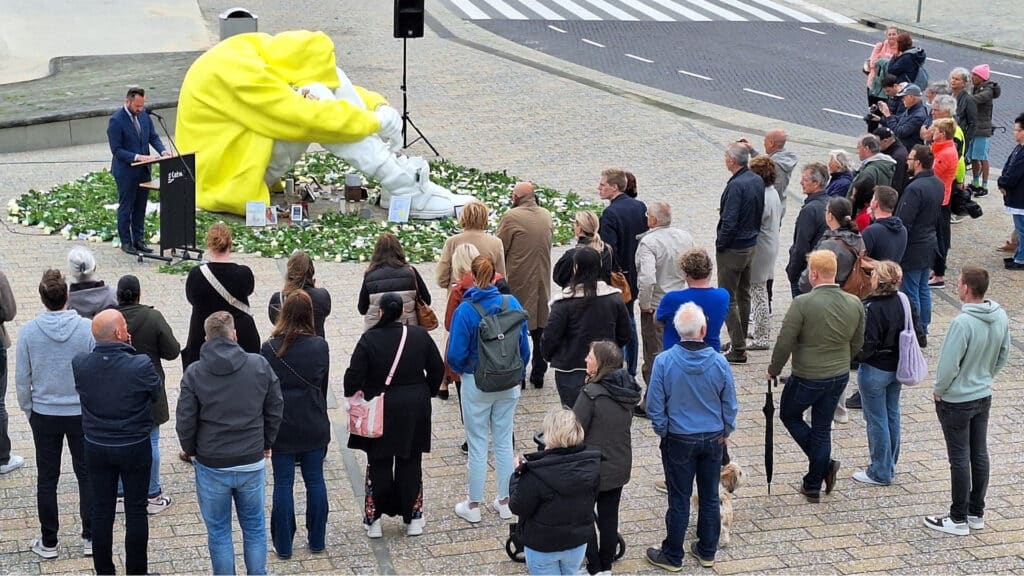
column 731, row 479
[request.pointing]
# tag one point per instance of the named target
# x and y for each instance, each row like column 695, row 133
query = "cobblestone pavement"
column 499, row 108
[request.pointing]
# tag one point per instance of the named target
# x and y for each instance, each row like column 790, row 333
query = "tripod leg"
column 421, row 136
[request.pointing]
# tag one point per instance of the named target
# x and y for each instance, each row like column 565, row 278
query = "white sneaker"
column 471, row 515
column 415, row 527
column 945, row 524
column 954, row 219
column 862, row 476
column 975, row 522
column 158, row 504
column 87, row 547
column 375, row 530
column 502, row 509
column 661, row 486
column 13, row 464
column 48, row 552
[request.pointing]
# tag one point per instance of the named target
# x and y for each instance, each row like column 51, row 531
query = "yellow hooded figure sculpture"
column 240, row 97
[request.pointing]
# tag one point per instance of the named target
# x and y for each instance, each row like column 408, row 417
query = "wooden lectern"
column 177, row 187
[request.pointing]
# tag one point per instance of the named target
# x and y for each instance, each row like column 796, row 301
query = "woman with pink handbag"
column 400, row 366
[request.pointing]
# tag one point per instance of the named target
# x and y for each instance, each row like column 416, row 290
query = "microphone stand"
column 174, row 147
column 185, row 250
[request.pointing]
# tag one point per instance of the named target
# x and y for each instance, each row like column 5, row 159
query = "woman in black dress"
column 394, row 462
column 238, row 282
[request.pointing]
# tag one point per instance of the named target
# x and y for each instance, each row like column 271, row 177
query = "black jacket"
column 898, row 152
column 919, row 209
column 117, row 387
column 240, row 283
column 572, row 326
column 809, row 227
column 151, row 335
column 905, row 65
column 605, row 410
column 304, row 425
column 387, row 279
column 967, row 116
column 622, row 221
column 883, row 322
column 562, row 272
column 230, row 406
column 553, row 492
column 321, row 306
column 739, row 211
column 885, row 239
column 407, row 408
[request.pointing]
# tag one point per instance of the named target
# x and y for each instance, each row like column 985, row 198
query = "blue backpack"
column 922, row 78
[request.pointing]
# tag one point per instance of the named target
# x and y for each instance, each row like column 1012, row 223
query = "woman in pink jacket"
column 884, row 49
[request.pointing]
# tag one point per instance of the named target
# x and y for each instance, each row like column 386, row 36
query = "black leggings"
column 394, row 487
column 601, row 548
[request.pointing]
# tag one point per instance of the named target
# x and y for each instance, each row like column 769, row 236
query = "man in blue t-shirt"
column 696, row 265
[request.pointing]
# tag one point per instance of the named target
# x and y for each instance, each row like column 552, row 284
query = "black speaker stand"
column 406, row 119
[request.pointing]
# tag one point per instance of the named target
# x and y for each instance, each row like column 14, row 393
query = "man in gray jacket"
column 785, row 160
column 229, row 411
column 46, row 393
column 658, row 272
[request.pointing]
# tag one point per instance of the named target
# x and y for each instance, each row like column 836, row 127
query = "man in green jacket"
column 823, row 330
column 974, row 351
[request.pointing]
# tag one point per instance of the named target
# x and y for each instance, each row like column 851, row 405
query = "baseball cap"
column 910, row 90
column 882, row 133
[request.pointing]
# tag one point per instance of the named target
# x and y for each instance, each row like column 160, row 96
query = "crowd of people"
column 89, row 368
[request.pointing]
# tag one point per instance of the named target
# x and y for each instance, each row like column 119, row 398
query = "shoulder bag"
column 318, row 396
column 912, row 368
column 425, row 316
column 366, row 417
column 222, row 291
column 618, row 280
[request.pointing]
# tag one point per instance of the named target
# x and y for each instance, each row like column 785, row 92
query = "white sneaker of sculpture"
column 400, row 176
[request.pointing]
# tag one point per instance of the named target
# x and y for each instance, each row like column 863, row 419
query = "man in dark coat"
column 739, row 222
column 907, row 124
column 130, row 133
column 893, row 148
column 810, row 222
column 919, row 209
column 622, row 221
column 1011, row 184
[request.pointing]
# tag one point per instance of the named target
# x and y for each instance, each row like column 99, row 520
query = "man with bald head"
column 526, row 231
column 785, row 160
column 117, row 387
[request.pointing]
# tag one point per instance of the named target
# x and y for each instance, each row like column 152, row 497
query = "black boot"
column 539, row 365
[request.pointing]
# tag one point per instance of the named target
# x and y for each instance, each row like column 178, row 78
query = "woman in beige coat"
column 474, row 225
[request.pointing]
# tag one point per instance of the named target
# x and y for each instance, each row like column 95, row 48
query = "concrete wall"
column 90, row 130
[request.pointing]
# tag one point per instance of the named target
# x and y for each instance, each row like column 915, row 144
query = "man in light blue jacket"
column 692, row 406
column 974, row 351
column 46, row 393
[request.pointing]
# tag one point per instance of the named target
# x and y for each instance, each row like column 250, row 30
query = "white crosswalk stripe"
column 646, row 10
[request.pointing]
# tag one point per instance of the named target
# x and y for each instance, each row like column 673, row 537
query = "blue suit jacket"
column 125, row 143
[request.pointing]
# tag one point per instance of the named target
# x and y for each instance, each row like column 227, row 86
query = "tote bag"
column 912, row 368
column 366, row 417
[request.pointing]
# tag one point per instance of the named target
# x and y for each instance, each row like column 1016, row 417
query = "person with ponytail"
column 843, row 240
column 301, row 359
column 484, row 413
column 150, row 335
column 586, row 311
column 299, row 275
column 585, row 226
column 394, row 462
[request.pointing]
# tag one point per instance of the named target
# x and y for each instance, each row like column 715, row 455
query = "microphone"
column 153, row 113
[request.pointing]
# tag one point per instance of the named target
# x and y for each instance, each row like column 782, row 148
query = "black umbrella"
column 769, row 433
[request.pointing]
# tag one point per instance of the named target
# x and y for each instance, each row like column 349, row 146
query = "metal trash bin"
column 237, row 21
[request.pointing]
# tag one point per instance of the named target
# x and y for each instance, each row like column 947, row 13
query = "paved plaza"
column 487, row 103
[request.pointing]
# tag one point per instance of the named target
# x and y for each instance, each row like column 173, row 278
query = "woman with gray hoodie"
column 46, row 393
column 87, row 295
column 605, row 410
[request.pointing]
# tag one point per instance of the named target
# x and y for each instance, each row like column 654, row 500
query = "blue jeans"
column 282, row 515
column 822, row 397
column 488, row 413
column 1018, row 225
column 631, row 351
column 216, row 489
column 915, row 286
column 106, row 465
column 880, row 401
column 965, row 428
column 685, row 457
column 154, row 470
column 561, row 562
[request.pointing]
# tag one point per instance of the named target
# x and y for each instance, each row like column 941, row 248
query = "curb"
column 881, row 23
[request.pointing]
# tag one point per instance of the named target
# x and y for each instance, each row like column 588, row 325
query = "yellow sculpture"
column 251, row 105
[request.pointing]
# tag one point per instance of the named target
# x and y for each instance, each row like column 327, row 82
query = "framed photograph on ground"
column 398, row 209
column 271, row 216
column 296, row 212
column 256, row 214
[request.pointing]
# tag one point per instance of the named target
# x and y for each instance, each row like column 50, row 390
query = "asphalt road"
column 808, row 74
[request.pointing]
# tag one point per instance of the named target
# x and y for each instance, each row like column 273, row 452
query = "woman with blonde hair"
column 473, row 219
column 840, row 168
column 299, row 275
column 876, row 376
column 553, row 493
column 585, row 225
column 219, row 285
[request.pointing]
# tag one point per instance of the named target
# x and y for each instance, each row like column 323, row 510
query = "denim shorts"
column 979, row 148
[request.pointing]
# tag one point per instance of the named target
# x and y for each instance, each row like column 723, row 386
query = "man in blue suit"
column 130, row 133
